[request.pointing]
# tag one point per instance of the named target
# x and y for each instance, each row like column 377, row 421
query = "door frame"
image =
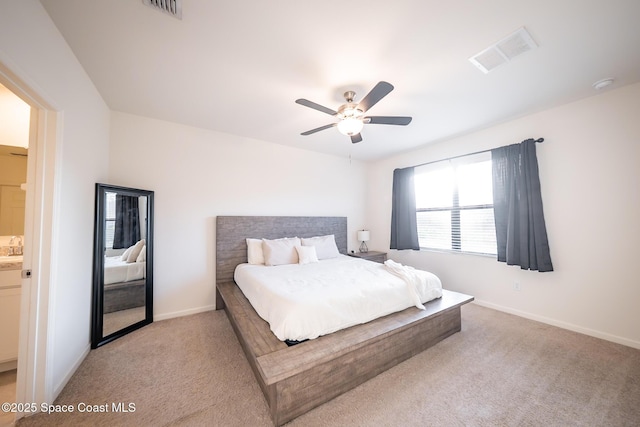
column 34, row 382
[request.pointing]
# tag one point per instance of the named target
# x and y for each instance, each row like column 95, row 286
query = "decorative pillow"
column 254, row 252
column 280, row 251
column 306, row 254
column 125, row 254
column 133, row 255
column 143, row 254
column 325, row 246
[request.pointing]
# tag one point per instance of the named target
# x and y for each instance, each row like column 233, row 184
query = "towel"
column 412, row 277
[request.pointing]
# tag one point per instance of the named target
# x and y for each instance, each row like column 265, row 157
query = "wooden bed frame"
column 296, row 379
column 124, row 295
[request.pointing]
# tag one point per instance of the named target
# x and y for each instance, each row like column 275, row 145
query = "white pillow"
column 133, row 255
column 325, row 246
column 306, row 254
column 280, row 251
column 143, row 254
column 125, row 254
column 254, row 252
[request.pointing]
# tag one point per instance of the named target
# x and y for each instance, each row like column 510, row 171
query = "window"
column 110, row 219
column 454, row 205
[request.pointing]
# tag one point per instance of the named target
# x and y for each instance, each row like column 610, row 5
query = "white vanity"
column 10, row 292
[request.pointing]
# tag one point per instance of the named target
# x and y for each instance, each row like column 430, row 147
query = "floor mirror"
column 122, row 262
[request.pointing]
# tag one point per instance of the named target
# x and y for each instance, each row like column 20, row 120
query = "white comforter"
column 116, row 270
column 306, row 301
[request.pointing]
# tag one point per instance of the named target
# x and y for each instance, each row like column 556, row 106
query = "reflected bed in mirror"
column 123, row 262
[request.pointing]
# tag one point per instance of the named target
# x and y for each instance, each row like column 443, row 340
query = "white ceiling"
column 238, row 67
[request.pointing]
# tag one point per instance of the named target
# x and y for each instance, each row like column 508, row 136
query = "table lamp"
column 363, row 236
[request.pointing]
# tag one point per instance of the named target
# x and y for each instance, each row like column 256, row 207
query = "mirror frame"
column 97, row 317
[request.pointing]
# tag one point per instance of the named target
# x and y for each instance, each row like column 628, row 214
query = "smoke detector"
column 601, row 84
column 170, row 7
column 504, row 51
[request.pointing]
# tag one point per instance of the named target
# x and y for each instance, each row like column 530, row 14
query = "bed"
column 124, row 283
column 116, row 270
column 309, row 300
column 295, row 379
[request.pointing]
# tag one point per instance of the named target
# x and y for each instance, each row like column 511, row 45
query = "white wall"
column 590, row 177
column 198, row 174
column 33, row 49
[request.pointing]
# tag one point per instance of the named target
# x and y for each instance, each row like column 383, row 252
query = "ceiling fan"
column 351, row 115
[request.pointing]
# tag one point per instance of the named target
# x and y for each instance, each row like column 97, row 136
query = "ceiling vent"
column 504, row 51
column 170, row 7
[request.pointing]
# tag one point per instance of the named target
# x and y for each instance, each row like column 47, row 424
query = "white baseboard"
column 564, row 325
column 61, row 385
column 181, row 313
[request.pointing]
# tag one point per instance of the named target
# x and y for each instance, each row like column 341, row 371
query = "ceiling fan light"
column 349, row 111
column 350, row 126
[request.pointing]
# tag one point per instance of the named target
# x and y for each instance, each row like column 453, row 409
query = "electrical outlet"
column 517, row 286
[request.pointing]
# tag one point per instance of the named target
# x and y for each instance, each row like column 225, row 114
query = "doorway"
column 32, row 384
column 14, row 142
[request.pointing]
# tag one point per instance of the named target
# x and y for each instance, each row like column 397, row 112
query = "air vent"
column 170, row 7
column 504, row 51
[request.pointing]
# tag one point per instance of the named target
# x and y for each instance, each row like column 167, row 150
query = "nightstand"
column 374, row 256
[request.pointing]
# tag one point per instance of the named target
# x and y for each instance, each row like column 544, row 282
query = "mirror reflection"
column 122, row 263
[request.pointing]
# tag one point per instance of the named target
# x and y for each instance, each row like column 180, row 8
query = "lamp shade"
column 363, row 235
column 350, row 126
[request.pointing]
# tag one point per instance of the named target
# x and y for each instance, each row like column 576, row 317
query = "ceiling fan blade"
column 315, row 106
column 379, row 91
column 309, row 132
column 387, row 120
column 356, row 138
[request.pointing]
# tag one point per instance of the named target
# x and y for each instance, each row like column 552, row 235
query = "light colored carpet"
column 121, row 319
column 7, row 394
column 500, row 370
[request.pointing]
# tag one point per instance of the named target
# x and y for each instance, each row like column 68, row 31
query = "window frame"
column 110, row 201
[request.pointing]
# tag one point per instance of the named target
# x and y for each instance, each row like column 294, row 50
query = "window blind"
column 454, row 205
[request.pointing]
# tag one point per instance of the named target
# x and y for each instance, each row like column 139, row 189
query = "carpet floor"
column 500, row 370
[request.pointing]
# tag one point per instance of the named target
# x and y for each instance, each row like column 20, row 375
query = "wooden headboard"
column 232, row 232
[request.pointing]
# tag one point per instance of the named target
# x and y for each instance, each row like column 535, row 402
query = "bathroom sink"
column 10, row 262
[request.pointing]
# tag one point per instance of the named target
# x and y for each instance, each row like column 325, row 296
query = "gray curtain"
column 404, row 226
column 127, row 224
column 521, row 233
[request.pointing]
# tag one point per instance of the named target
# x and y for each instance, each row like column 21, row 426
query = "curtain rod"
column 476, row 152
